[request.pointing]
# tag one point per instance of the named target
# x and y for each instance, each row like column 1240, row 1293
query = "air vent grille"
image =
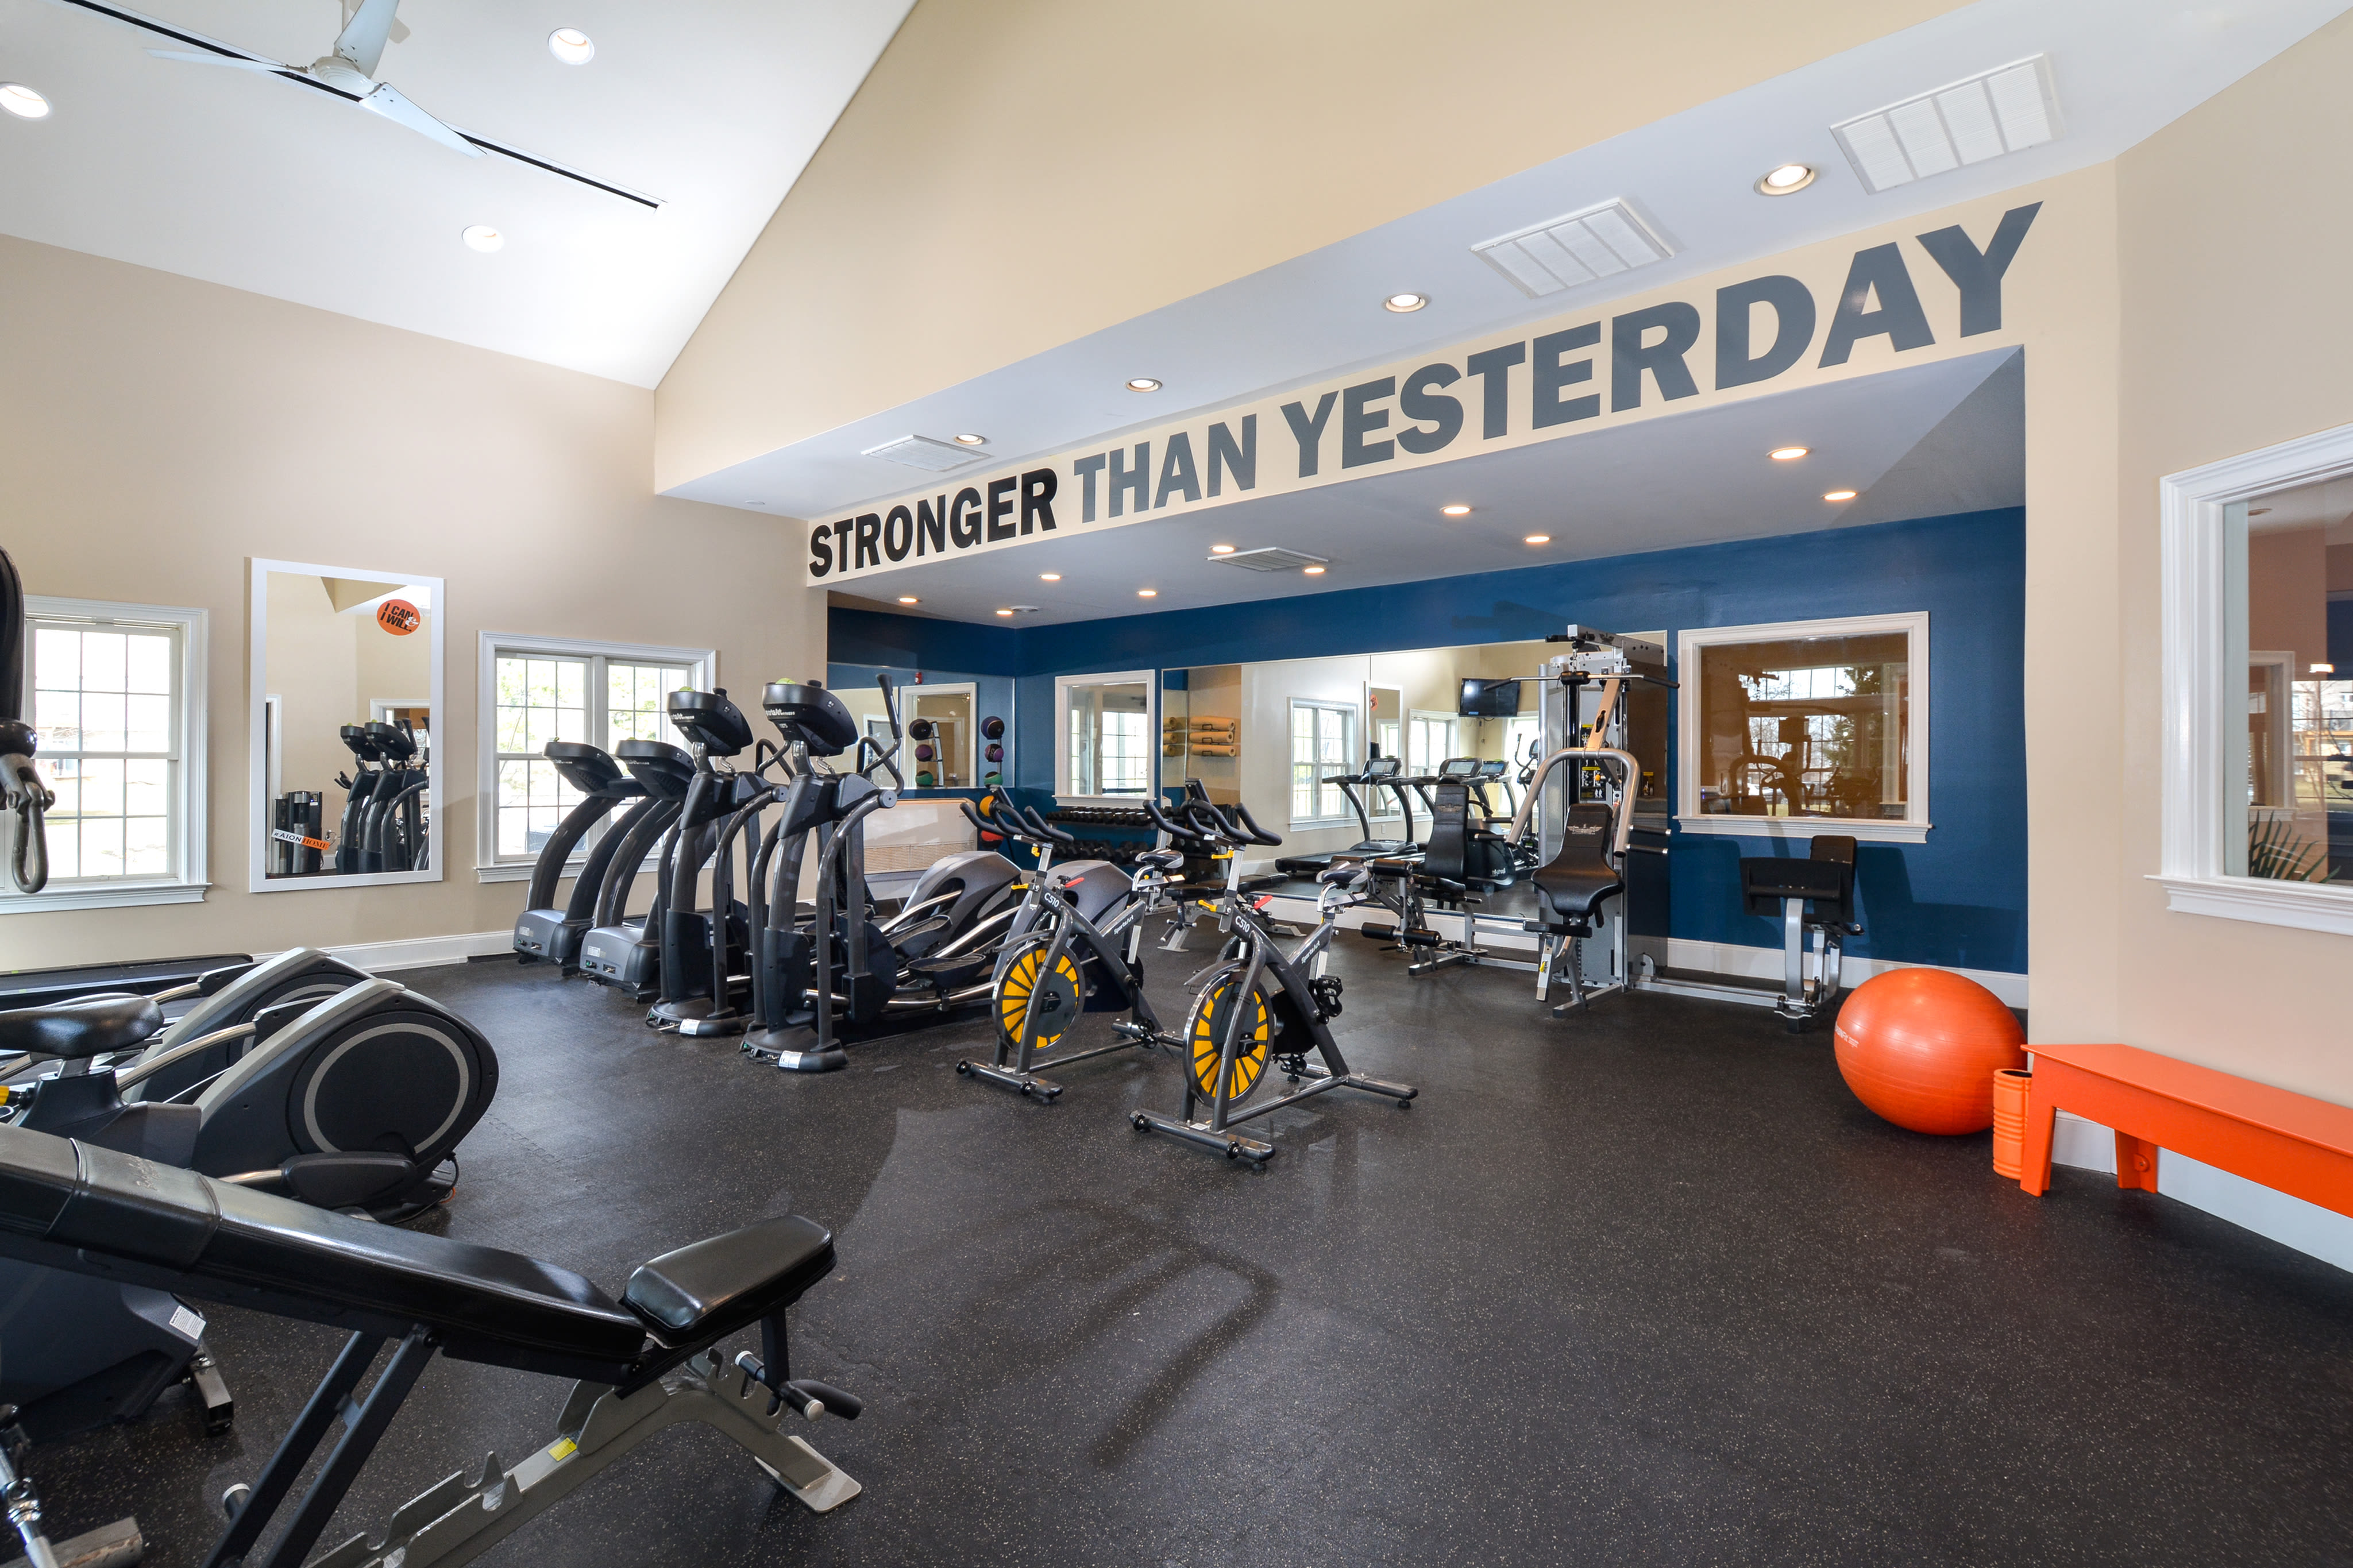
column 2007, row 110
column 1272, row 558
column 1583, row 248
column 922, row 452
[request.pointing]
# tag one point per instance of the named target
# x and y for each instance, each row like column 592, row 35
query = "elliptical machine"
column 394, row 834
column 359, row 787
column 700, row 951
column 543, row 933
column 621, row 950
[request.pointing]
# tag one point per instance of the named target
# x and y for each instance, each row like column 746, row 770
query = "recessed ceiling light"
column 1537, row 539
column 1838, row 495
column 908, row 599
column 1787, row 454
column 22, row 101
column 970, row 440
column 1312, row 570
column 1221, row 550
column 1456, row 510
column 484, row 239
column 1147, row 593
column 2322, row 670
column 1049, row 576
column 1143, row 383
column 1404, row 304
column 1003, row 612
column 571, row 46
column 1786, row 180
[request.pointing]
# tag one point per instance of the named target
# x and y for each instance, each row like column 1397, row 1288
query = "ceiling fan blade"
column 362, row 39
column 129, row 18
column 388, row 101
column 591, row 181
column 236, row 62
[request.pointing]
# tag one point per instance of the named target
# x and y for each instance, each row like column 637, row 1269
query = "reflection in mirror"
column 1108, row 742
column 346, row 668
column 2292, row 819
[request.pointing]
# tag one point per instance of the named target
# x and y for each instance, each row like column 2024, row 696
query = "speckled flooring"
column 1642, row 1287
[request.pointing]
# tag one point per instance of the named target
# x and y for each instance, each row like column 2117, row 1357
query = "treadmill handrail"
column 1629, row 779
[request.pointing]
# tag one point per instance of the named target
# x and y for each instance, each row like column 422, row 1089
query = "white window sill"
column 2301, row 905
column 1867, row 829
column 103, row 896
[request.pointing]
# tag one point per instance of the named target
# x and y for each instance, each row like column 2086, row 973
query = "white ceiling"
column 713, row 106
column 1929, row 441
column 2123, row 69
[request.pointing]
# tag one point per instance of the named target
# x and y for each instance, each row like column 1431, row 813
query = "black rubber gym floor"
column 1645, row 1286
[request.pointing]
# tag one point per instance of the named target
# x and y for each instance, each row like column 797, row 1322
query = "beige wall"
column 156, row 432
column 1014, row 176
column 2235, row 335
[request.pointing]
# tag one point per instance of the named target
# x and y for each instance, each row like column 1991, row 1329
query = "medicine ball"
column 993, row 728
column 923, row 753
column 995, row 754
column 921, row 729
column 922, row 781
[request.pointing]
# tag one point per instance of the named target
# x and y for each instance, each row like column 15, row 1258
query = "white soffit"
column 1567, row 252
column 715, row 106
column 1982, row 117
column 2127, row 69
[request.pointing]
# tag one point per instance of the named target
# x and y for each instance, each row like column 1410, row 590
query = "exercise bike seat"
column 715, row 1285
column 1571, row 890
column 87, row 1027
column 1161, row 860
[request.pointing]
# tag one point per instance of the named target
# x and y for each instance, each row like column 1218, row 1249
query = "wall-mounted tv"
column 1490, row 699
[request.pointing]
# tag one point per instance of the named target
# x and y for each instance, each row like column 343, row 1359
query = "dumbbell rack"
column 1095, row 846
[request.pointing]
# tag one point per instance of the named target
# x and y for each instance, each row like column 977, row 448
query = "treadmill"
column 1378, row 773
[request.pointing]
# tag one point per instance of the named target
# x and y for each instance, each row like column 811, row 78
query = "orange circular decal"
column 399, row 616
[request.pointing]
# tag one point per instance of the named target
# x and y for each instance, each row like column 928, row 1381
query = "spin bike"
column 1255, row 1003
column 1058, row 961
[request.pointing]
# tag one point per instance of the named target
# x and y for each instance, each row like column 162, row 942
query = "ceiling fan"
column 348, row 71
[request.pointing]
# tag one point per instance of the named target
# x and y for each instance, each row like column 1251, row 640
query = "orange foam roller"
column 1920, row 1047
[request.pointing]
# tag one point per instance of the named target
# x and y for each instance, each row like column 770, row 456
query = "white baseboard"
column 2273, row 1215
column 421, row 952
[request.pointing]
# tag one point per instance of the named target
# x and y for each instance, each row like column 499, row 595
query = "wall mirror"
column 1103, row 746
column 345, row 671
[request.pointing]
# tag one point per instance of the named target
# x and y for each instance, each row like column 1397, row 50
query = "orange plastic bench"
column 2291, row 1143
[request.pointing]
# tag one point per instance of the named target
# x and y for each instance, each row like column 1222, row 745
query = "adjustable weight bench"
column 640, row 1365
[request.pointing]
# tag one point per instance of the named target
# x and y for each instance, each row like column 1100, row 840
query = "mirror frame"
column 257, row 671
column 1150, row 680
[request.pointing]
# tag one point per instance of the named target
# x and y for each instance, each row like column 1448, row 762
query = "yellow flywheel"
column 1213, row 1016
column 1058, row 1002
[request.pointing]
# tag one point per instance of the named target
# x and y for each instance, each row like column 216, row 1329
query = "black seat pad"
column 90, row 1026
column 92, row 1211
column 1571, row 890
column 718, row 1284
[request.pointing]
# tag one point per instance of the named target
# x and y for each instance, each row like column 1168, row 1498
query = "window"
column 116, row 694
column 1815, row 721
column 1519, row 735
column 537, row 690
column 1104, row 744
column 1321, row 737
column 1429, row 741
column 2258, row 755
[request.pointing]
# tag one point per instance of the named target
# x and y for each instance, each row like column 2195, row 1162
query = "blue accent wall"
column 1958, row 900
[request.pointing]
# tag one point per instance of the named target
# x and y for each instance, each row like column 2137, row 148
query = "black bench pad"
column 90, row 1026
column 714, row 1287
column 91, row 1210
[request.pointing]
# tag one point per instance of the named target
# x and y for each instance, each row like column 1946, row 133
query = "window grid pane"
column 1807, row 727
column 544, row 697
column 105, row 705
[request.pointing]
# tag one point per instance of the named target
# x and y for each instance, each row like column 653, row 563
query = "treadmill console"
column 1380, row 768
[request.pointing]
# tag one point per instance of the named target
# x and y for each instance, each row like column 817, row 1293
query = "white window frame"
column 2196, row 612
column 1150, row 680
column 702, row 675
column 1453, row 723
column 1915, row 825
column 192, row 825
column 1352, row 725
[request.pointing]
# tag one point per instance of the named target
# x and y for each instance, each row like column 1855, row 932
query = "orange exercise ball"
column 1920, row 1047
